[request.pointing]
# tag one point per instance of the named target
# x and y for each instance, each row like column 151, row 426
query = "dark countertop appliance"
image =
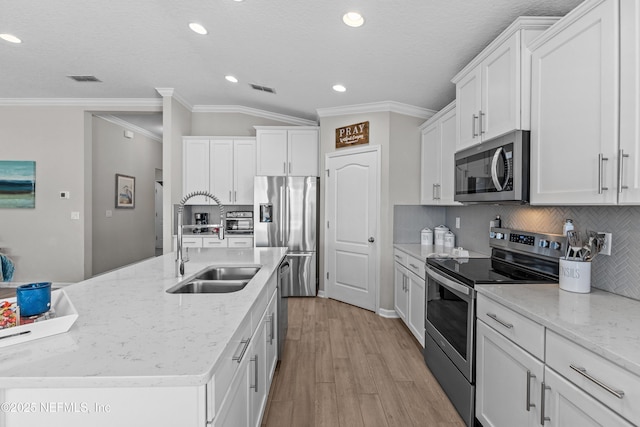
column 517, row 257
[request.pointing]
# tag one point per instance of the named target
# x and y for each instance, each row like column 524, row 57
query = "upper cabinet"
column 285, row 151
column 223, row 166
column 585, row 118
column 492, row 92
column 437, row 154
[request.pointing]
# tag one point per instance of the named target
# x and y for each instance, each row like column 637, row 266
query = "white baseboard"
column 391, row 314
column 321, row 294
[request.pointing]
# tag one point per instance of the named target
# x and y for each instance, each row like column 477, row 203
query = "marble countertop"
column 425, row 251
column 131, row 333
column 602, row 322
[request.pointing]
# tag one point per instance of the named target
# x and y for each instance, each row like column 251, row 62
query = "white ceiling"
column 407, row 51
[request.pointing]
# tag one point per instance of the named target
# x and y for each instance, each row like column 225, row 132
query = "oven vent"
column 262, row 88
column 85, row 78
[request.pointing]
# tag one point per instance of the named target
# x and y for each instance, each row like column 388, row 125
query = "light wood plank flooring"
column 348, row 367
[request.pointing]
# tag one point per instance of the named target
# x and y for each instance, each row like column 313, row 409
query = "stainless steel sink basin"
column 209, row 287
column 216, row 280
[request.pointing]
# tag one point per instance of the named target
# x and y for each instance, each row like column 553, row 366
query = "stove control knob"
column 556, row 246
column 499, row 236
column 543, row 243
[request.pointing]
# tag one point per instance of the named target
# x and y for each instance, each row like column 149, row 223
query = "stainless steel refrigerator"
column 286, row 215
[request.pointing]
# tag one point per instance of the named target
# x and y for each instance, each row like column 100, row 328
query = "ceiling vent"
column 262, row 88
column 85, row 78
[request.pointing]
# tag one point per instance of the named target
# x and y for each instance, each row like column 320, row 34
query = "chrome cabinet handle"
column 529, row 404
column 621, row 157
column 439, row 191
column 474, row 117
column 284, row 168
column 502, row 322
column 414, row 266
column 235, row 196
column 582, row 371
column 289, row 167
column 254, row 359
column 398, row 256
column 601, row 160
column 245, row 344
column 230, row 199
column 273, row 332
column 480, row 115
column 542, row 405
column 433, row 192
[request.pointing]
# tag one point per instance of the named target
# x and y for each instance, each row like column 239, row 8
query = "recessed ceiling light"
column 339, row 88
column 197, row 28
column 353, row 19
column 231, row 79
column 10, row 38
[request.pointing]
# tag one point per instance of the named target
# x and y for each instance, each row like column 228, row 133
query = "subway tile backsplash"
column 618, row 273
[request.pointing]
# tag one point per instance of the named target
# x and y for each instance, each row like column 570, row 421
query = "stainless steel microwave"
column 495, row 171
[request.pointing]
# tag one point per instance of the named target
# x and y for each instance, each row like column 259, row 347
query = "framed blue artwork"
column 17, row 184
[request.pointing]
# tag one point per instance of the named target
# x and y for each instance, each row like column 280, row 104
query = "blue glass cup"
column 34, row 298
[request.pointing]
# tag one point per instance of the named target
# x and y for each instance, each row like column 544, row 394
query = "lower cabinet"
column 507, row 381
column 409, row 293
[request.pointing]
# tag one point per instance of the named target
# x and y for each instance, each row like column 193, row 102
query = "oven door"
column 450, row 317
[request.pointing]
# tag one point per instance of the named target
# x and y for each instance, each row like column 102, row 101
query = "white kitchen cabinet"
column 223, row 166
column 271, row 326
column 409, row 293
column 508, row 381
column 567, row 405
column 239, row 242
column 492, row 91
column 437, row 184
column 291, row 151
column 215, row 242
column 235, row 410
column 585, row 106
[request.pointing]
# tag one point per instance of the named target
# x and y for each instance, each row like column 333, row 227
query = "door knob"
column 371, row 240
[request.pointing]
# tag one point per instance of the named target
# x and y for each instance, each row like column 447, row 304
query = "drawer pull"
column 255, row 386
column 398, row 257
column 413, row 266
column 529, row 404
column 543, row 418
column 502, row 322
column 582, row 371
column 245, row 344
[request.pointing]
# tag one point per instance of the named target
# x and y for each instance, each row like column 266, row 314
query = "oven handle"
column 448, row 282
column 494, row 171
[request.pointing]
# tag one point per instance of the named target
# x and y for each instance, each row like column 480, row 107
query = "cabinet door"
column 447, row 158
column 430, row 167
column 501, row 90
column 630, row 102
column 271, row 332
column 468, row 102
column 574, row 109
column 258, row 375
column 400, row 291
column 244, row 170
column 234, row 411
column 567, row 405
column 240, row 242
column 507, row 381
column 302, row 152
column 195, row 169
column 221, row 170
column 415, row 319
column 271, row 148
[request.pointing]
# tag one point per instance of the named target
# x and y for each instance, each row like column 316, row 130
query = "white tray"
column 66, row 316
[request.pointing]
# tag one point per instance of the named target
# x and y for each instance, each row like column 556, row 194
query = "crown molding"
column 253, row 112
column 437, row 116
column 377, row 107
column 125, row 124
column 169, row 91
column 82, row 102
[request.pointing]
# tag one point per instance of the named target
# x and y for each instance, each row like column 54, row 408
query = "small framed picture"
column 125, row 191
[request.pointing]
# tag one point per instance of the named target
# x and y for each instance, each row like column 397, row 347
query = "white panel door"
column 244, row 170
column 352, row 193
column 195, row 169
column 221, row 170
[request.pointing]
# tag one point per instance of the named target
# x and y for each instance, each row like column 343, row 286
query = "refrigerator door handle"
column 281, row 216
column 307, row 254
column 288, row 207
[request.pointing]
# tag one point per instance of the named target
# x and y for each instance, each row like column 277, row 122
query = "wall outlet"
column 606, row 248
column 457, row 222
column 75, row 215
column 65, row 195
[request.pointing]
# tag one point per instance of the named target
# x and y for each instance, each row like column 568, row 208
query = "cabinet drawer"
column 415, row 265
column 191, row 242
column 227, row 366
column 521, row 330
column 400, row 257
column 598, row 375
column 213, row 242
column 240, row 242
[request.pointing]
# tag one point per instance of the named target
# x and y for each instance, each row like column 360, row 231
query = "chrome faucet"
column 179, row 258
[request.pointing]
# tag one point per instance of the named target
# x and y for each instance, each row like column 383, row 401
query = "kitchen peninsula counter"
column 131, row 333
column 605, row 323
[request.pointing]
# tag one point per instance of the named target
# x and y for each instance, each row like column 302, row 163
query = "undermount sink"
column 216, row 280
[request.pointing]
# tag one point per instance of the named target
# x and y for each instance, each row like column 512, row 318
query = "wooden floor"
column 345, row 366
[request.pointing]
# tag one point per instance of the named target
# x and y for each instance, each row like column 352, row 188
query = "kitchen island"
column 138, row 355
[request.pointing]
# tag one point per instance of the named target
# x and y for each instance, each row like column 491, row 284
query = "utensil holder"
column 34, row 298
column 575, row 276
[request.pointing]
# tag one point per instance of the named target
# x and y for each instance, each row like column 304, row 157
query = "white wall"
column 228, row 124
column 129, row 234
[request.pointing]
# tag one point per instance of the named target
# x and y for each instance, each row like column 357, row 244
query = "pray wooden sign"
column 352, row 135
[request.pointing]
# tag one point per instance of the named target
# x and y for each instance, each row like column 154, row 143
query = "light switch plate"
column 606, row 248
column 458, row 222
